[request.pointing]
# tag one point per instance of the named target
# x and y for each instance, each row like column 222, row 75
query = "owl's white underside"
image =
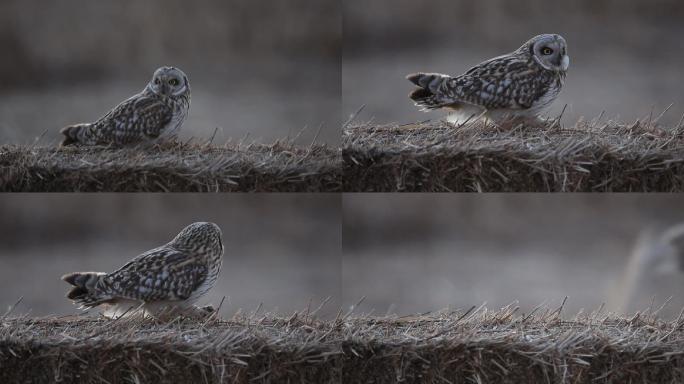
column 470, row 112
column 172, row 129
column 474, row 113
column 133, row 307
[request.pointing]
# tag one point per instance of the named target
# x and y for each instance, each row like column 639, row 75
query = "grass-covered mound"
column 173, row 167
column 476, row 346
column 544, row 157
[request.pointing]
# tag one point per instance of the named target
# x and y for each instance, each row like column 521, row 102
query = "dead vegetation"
column 474, row 346
column 478, row 157
column 175, row 167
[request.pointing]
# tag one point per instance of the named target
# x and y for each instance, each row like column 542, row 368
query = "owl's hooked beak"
column 565, row 63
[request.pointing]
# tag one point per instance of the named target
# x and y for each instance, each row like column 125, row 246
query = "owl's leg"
column 144, row 145
column 464, row 114
column 533, row 121
column 162, row 311
column 511, row 120
column 199, row 313
column 158, row 143
column 165, row 313
column 208, row 308
column 122, row 308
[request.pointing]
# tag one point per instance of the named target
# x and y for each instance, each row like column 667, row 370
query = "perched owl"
column 153, row 114
column 166, row 279
column 520, row 84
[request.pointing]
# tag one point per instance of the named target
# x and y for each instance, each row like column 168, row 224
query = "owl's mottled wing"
column 509, row 82
column 139, row 116
column 160, row 274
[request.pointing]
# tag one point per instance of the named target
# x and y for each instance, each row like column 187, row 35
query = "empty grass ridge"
column 476, row 157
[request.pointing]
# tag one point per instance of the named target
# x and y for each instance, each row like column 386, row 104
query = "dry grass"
column 177, row 167
column 589, row 156
column 475, row 346
column 82, row 350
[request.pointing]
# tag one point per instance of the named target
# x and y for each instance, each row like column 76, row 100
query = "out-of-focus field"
column 257, row 69
column 283, row 251
column 419, row 252
column 626, row 57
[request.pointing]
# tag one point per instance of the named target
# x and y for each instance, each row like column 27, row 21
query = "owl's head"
column 550, row 51
column 201, row 235
column 169, row 81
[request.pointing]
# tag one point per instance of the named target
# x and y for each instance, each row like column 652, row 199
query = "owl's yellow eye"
column 173, row 82
column 546, row 51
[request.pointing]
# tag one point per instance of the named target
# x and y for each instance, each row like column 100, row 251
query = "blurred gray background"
column 283, row 251
column 259, row 69
column 627, row 57
column 424, row 252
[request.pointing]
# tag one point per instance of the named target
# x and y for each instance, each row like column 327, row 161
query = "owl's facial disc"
column 550, row 51
column 169, row 81
column 565, row 63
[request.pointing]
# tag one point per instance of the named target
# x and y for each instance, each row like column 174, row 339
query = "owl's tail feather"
column 83, row 291
column 73, row 134
column 426, row 96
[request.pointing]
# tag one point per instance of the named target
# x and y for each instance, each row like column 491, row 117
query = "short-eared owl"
column 520, row 84
column 156, row 112
column 166, row 279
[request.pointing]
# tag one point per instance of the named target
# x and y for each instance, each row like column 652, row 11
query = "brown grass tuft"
column 475, row 157
column 475, row 346
column 177, row 167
